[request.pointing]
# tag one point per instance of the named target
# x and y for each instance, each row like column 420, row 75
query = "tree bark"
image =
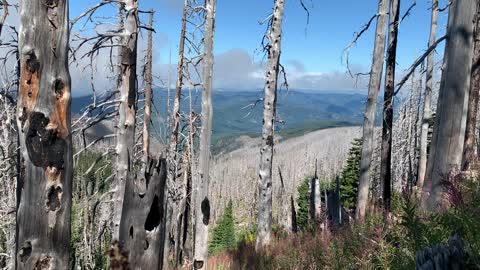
column 387, row 129
column 202, row 202
column 449, row 129
column 422, row 166
column 127, row 88
column 173, row 157
column 370, row 110
column 148, row 93
column 44, row 189
column 269, row 113
column 469, row 152
column 141, row 229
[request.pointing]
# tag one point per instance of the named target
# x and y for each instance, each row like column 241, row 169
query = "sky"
column 312, row 54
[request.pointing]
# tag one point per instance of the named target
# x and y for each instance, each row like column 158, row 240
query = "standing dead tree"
column 43, row 118
column 449, row 129
column 469, row 151
column 202, row 202
column 387, row 128
column 426, row 115
column 273, row 49
column 369, row 121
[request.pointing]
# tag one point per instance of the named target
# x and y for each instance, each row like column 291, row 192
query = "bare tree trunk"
column 449, row 129
column 4, row 16
column 371, row 108
column 173, row 157
column 44, row 190
column 469, row 152
column 141, row 229
column 127, row 87
column 269, row 113
column 148, row 93
column 422, row 166
column 202, row 202
column 386, row 158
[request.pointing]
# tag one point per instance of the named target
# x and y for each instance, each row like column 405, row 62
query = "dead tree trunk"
column 44, row 190
column 202, row 202
column 386, row 158
column 469, row 152
column 371, row 108
column 173, row 157
column 127, row 88
column 449, row 129
column 422, row 164
column 141, row 229
column 4, row 16
column 269, row 113
column 148, row 94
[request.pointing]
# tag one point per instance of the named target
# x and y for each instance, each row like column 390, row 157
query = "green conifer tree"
column 350, row 175
column 223, row 235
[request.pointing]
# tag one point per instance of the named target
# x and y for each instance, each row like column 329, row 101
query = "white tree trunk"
column 422, row 166
column 127, row 88
column 371, row 109
column 202, row 202
column 269, row 113
column 449, row 129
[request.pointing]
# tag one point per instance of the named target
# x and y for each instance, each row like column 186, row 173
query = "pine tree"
column 303, row 205
column 350, row 175
column 223, row 235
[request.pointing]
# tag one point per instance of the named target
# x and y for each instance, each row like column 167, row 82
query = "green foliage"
column 350, row 174
column 223, row 235
column 303, row 202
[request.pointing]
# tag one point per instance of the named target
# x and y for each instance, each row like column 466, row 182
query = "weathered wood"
column 147, row 76
column 202, row 201
column 422, row 163
column 387, row 128
column 469, row 152
column 127, row 88
column 371, row 108
column 44, row 188
column 265, row 188
column 449, row 128
column 142, row 226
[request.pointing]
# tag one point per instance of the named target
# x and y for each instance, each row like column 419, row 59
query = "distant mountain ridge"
column 240, row 112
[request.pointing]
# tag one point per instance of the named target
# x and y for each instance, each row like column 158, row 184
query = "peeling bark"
column 269, row 113
column 370, row 110
column 449, row 128
column 44, row 193
column 202, row 202
column 387, row 129
column 427, row 114
column 469, row 152
column 127, row 87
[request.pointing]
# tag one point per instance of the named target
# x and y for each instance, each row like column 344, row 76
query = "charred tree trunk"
column 141, row 229
column 387, row 129
column 269, row 113
column 449, row 129
column 44, row 189
column 469, row 152
column 202, row 202
column 371, row 108
column 127, row 88
column 422, row 164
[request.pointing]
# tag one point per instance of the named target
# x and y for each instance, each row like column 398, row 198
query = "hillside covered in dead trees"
column 122, row 149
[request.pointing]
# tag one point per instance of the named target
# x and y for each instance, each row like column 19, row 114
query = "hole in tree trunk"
column 197, row 264
column 131, row 232
column 54, row 196
column 206, row 211
column 25, row 251
column 154, row 216
column 44, row 263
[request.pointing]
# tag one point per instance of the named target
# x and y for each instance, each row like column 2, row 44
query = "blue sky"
column 316, row 52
